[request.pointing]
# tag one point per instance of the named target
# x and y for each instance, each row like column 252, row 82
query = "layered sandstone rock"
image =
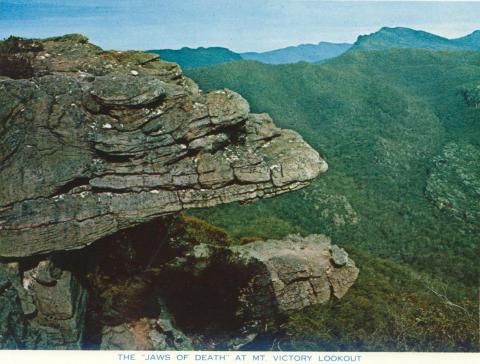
column 92, row 142
column 94, row 147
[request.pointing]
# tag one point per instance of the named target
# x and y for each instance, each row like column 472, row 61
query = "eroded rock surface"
column 252, row 287
column 300, row 271
column 146, row 334
column 94, row 147
column 176, row 283
column 92, row 142
column 42, row 307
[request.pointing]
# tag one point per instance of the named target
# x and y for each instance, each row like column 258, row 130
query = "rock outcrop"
column 108, row 147
column 261, row 283
column 42, row 307
column 92, row 142
column 210, row 296
column 158, row 287
column 296, row 272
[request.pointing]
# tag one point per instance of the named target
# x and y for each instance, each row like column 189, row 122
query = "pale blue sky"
column 241, row 25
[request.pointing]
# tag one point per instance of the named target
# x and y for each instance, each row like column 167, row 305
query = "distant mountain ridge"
column 189, row 58
column 470, row 40
column 387, row 38
column 304, row 52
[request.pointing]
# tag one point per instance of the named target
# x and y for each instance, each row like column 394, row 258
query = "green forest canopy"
column 387, row 122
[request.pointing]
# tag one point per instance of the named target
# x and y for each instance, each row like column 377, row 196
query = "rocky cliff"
column 97, row 143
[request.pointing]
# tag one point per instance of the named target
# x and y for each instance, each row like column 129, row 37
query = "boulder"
column 295, row 273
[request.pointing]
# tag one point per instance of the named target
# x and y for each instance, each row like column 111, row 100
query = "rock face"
column 60, row 302
column 297, row 272
column 251, row 288
column 226, row 297
column 43, row 307
column 107, row 148
column 92, row 142
column 13, row 324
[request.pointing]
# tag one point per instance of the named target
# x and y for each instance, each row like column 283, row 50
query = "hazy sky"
column 241, row 25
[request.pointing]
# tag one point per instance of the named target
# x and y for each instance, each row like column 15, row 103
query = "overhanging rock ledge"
column 93, row 141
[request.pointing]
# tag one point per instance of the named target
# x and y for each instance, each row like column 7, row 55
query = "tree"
column 472, row 96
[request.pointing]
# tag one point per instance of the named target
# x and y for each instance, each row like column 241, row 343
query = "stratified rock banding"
column 92, row 142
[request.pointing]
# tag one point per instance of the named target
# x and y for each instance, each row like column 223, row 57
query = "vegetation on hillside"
column 385, row 38
column 472, row 96
column 471, row 40
column 389, row 308
column 399, row 37
column 400, row 138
